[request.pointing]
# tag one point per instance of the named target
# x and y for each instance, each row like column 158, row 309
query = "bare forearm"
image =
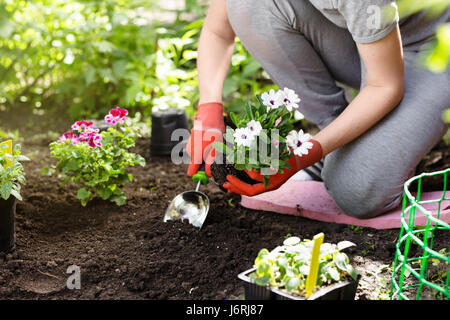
column 214, row 56
column 215, row 49
column 369, row 107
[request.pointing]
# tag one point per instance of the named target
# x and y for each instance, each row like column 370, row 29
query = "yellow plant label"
column 311, row 280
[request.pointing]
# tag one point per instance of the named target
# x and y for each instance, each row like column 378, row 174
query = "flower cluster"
column 298, row 142
column 245, row 136
column 116, row 115
column 266, row 128
column 86, row 133
column 276, row 99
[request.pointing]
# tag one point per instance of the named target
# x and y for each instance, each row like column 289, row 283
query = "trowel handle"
column 201, row 175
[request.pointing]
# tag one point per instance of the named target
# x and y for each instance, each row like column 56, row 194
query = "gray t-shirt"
column 371, row 20
column 367, row 21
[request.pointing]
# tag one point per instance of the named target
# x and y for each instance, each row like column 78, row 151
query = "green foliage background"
column 78, row 58
column 83, row 57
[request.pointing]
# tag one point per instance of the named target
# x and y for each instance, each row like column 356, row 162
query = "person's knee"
column 361, row 196
column 363, row 204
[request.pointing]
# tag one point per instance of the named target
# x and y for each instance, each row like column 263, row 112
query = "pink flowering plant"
column 97, row 161
column 264, row 139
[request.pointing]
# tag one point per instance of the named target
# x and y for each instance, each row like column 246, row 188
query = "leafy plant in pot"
column 259, row 139
column 11, row 178
column 283, row 272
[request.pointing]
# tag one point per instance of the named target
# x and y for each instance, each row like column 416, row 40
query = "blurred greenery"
column 79, row 58
column 82, row 57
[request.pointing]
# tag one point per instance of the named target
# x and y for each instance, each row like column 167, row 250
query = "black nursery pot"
column 163, row 124
column 7, row 223
column 345, row 290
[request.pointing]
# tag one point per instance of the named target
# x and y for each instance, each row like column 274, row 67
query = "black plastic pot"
column 345, row 290
column 163, row 125
column 7, row 223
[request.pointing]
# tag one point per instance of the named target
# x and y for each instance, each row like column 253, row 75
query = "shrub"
column 96, row 161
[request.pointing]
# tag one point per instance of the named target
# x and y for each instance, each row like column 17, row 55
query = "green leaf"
column 6, row 189
column 84, row 195
column 266, row 181
column 104, row 193
column 334, row 274
column 341, row 261
column 262, row 281
column 16, row 194
column 71, row 165
column 352, row 272
column 263, row 268
column 292, row 284
column 233, row 118
column 120, row 199
column 249, row 111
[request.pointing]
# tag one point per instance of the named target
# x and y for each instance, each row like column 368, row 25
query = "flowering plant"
column 264, row 138
column 95, row 160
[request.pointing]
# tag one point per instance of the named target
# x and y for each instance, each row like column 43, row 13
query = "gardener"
column 370, row 146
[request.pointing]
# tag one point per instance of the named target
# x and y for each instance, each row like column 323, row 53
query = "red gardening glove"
column 208, row 128
column 297, row 163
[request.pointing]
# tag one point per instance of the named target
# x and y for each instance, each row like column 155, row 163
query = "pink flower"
column 275, row 142
column 95, row 141
column 67, row 136
column 277, row 122
column 75, row 140
column 79, row 125
column 88, row 134
column 116, row 115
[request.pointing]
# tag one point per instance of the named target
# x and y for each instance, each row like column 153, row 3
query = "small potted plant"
column 96, row 160
column 261, row 139
column 11, row 178
column 282, row 273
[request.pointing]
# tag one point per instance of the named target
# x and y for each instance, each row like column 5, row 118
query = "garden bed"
column 129, row 253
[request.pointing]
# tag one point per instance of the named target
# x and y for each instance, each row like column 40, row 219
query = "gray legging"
column 302, row 50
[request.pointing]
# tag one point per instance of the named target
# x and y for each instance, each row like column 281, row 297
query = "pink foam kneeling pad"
column 310, row 199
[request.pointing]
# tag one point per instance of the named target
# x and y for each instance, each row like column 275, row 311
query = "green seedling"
column 287, row 266
column 12, row 174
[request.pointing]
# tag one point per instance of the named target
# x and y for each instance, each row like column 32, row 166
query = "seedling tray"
column 345, row 290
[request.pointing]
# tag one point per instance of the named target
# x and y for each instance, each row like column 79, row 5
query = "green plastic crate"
column 425, row 274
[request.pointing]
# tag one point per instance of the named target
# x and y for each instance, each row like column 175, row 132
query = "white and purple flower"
column 243, row 137
column 290, row 99
column 299, row 142
column 254, row 127
column 272, row 99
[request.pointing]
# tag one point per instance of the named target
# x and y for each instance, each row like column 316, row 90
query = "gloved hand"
column 208, row 128
column 297, row 163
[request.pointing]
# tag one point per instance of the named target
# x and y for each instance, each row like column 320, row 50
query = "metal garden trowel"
column 191, row 205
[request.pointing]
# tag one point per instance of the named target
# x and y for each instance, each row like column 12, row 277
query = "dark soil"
column 220, row 172
column 128, row 252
